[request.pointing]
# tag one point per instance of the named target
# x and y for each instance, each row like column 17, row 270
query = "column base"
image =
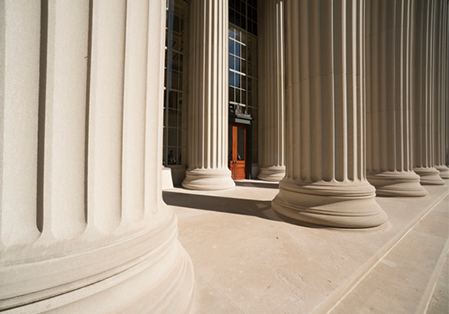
column 397, row 183
column 208, row 179
column 444, row 171
column 274, row 173
column 147, row 273
column 334, row 204
column 429, row 175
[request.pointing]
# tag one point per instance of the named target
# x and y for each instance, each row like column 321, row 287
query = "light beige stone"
column 271, row 90
column 424, row 92
column 208, row 98
column 441, row 94
column 325, row 182
column 389, row 65
column 83, row 228
column 251, row 260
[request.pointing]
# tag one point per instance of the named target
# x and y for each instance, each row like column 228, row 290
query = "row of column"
column 365, row 95
column 83, row 227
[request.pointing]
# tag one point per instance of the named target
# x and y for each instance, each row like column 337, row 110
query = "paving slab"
column 439, row 302
column 251, row 260
column 403, row 281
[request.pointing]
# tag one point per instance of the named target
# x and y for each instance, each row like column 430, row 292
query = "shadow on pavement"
column 257, row 208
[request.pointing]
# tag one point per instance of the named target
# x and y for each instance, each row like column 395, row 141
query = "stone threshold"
column 247, row 260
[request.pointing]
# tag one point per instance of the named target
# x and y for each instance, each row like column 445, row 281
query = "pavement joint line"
column 409, row 228
column 216, row 289
column 430, row 289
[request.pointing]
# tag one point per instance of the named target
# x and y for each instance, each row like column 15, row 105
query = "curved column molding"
column 83, row 227
column 441, row 97
column 271, row 100
column 208, row 97
column 424, row 93
column 325, row 180
column 389, row 64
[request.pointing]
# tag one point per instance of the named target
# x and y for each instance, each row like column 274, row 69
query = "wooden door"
column 237, row 151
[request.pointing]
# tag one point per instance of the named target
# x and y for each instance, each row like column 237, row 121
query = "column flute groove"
column 325, row 99
column 389, row 96
column 208, row 98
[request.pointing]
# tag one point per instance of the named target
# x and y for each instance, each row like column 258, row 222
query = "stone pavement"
column 247, row 260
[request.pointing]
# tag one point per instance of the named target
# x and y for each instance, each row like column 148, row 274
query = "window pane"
column 237, row 49
column 243, row 97
column 231, row 78
column 172, row 100
column 172, row 122
column 171, row 156
column 231, row 62
column 231, row 94
column 237, row 80
column 242, row 81
column 231, row 46
column 172, row 134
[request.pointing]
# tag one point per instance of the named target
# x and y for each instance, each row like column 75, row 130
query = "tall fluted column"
column 83, row 228
column 271, row 92
column 208, row 97
column 389, row 95
column 441, row 88
column 325, row 180
column 424, row 93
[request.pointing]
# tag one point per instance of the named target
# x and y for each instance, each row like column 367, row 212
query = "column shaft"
column 325, row 180
column 424, row 93
column 271, row 43
column 81, row 147
column 208, row 97
column 441, row 101
column 389, row 95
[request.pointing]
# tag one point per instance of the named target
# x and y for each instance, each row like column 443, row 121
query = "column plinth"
column 389, row 97
column 271, row 99
column 208, row 97
column 429, row 175
column 397, row 183
column 325, row 181
column 208, row 179
column 336, row 204
column 272, row 173
column 444, row 171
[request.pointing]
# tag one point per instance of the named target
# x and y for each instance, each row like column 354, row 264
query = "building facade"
column 336, row 100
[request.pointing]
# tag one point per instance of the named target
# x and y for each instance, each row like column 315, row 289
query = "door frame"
column 248, row 145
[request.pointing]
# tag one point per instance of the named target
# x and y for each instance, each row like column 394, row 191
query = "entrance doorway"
column 237, row 150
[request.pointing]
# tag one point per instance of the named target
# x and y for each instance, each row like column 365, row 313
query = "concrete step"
column 412, row 276
column 247, row 260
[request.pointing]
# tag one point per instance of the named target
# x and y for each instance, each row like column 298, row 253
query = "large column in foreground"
column 83, row 228
column 424, row 93
column 441, row 89
column 271, row 91
column 325, row 180
column 389, row 97
column 208, row 97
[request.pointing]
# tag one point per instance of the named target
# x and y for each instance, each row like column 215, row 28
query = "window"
column 243, row 74
column 175, row 133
